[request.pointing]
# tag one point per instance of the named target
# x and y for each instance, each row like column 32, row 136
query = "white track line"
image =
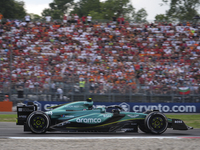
column 93, row 138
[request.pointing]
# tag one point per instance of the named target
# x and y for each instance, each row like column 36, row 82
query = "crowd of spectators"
column 117, row 57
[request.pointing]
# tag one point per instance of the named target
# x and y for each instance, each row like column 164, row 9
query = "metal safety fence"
column 101, row 92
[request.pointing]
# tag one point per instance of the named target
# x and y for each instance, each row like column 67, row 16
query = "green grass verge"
column 190, row 120
column 8, row 117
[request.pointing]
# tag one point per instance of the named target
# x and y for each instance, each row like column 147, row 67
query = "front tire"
column 156, row 123
column 38, row 122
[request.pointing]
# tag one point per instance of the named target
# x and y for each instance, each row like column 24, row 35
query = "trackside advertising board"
column 135, row 107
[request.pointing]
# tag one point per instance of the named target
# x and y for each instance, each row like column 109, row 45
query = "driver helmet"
column 89, row 99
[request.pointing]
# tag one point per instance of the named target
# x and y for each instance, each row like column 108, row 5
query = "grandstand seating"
column 156, row 58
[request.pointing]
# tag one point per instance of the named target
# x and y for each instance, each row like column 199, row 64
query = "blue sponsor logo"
column 135, row 107
column 125, row 106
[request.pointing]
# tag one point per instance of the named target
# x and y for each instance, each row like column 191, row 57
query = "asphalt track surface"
column 10, row 129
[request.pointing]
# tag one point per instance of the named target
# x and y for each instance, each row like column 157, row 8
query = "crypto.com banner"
column 135, row 107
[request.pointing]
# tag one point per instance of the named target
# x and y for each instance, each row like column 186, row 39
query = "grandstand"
column 146, row 62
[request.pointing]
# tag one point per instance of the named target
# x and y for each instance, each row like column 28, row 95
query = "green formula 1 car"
column 80, row 116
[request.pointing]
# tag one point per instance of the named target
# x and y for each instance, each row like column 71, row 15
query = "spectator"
column 53, row 87
column 27, row 18
column 83, row 19
column 89, row 19
column 114, row 19
column 1, row 32
column 20, row 92
column 76, row 17
column 69, row 18
column 82, row 85
column 119, row 20
column 60, row 93
column 1, row 17
column 6, row 99
column 72, row 18
column 122, row 20
column 64, row 19
column 48, row 19
column 92, row 86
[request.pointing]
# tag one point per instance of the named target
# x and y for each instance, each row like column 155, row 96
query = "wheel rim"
column 157, row 123
column 38, row 123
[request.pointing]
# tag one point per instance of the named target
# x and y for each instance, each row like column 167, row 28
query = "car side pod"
column 178, row 124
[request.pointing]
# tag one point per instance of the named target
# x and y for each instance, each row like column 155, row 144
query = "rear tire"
column 144, row 129
column 38, row 122
column 156, row 123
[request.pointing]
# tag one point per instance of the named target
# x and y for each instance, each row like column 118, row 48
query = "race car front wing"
column 178, row 124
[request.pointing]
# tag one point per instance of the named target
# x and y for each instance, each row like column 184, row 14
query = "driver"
column 115, row 111
column 90, row 107
column 89, row 100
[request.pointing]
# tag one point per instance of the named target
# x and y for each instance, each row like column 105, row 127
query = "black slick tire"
column 38, row 122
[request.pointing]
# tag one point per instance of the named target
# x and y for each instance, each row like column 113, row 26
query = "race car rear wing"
column 23, row 111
